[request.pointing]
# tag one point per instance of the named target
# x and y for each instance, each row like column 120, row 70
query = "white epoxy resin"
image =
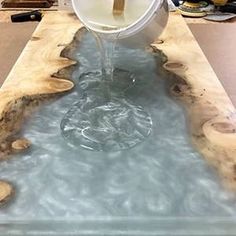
column 161, row 186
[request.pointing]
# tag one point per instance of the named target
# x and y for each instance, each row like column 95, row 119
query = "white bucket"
column 141, row 32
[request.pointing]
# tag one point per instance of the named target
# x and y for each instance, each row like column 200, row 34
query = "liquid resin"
column 104, row 119
column 160, row 185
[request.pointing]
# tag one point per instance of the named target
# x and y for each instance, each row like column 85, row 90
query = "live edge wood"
column 211, row 115
column 6, row 192
column 33, row 77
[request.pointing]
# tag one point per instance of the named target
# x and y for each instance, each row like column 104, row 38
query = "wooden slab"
column 30, row 80
column 211, row 114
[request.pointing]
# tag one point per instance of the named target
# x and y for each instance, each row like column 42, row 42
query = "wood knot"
column 20, row 144
column 6, row 192
column 174, row 66
column 60, row 85
column 159, row 41
column 34, row 38
column 220, row 132
column 176, row 89
column 224, row 127
column 62, row 45
column 179, row 90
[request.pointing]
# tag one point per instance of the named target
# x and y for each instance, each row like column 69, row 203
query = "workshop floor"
column 218, row 44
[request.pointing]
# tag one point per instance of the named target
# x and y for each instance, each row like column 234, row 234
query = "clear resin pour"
column 104, row 119
column 160, row 186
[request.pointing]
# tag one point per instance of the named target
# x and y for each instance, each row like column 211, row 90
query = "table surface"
column 218, row 50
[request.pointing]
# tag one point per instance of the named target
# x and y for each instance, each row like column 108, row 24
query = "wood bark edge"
column 6, row 192
column 211, row 115
column 38, row 76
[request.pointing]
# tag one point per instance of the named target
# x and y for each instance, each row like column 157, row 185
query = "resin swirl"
column 102, row 119
column 162, row 178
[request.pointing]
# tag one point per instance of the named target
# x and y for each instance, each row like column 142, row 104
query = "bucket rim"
column 131, row 29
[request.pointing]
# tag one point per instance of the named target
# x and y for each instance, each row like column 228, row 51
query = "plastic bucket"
column 141, row 32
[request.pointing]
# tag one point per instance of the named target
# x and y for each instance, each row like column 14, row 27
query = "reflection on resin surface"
column 102, row 119
column 162, row 176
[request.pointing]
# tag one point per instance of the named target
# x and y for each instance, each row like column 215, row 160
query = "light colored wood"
column 211, row 114
column 6, row 192
column 31, row 81
column 20, row 144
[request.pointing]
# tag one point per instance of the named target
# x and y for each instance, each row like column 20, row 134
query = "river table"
column 43, row 72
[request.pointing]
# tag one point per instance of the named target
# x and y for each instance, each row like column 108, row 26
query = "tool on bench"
column 229, row 7
column 193, row 8
column 27, row 16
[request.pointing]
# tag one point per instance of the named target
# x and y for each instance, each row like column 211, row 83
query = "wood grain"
column 211, row 114
column 33, row 78
column 6, row 192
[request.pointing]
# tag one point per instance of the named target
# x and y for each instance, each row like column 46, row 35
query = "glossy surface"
column 160, row 185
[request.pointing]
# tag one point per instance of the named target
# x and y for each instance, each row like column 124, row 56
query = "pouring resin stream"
column 103, row 119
